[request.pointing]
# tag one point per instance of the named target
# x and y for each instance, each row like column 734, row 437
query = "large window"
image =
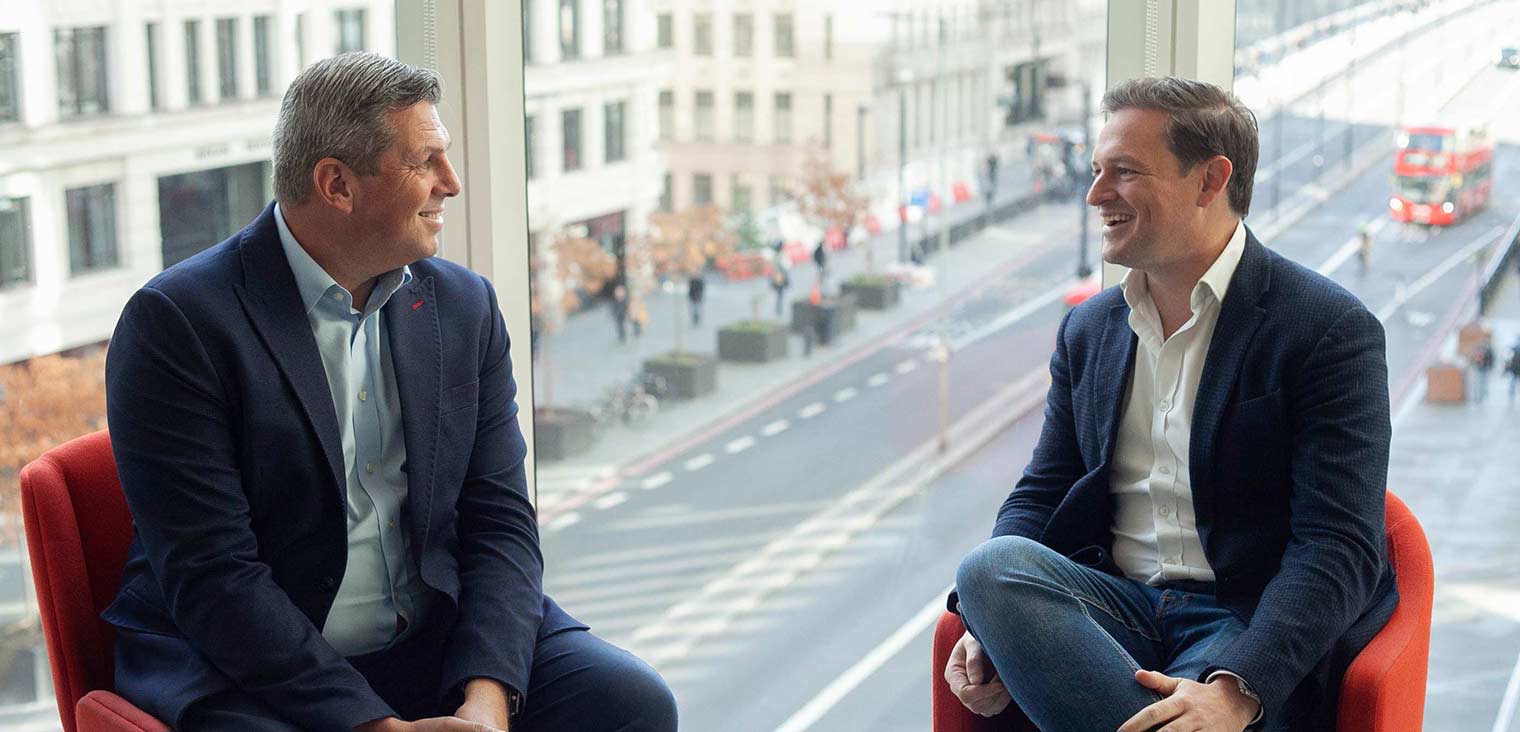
column 616, row 137
column 570, row 132
column 227, row 58
column 667, row 114
column 83, row 83
column 782, row 30
column 569, row 29
column 612, row 27
column 665, row 33
column 702, row 34
column 781, row 129
column 701, row 189
column 350, row 27
column 263, row 81
column 151, row 49
column 92, row 228
column 703, row 121
column 744, row 116
column 193, row 88
column 744, row 35
column 197, row 210
column 15, row 243
column 10, row 78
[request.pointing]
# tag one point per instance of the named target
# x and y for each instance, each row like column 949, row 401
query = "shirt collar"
column 313, row 282
column 1215, row 281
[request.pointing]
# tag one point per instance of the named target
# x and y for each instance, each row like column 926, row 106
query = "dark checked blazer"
column 227, row 444
column 1289, row 460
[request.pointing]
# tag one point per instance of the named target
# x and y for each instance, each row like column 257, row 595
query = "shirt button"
column 1165, row 511
column 1165, row 470
column 337, row 296
column 363, row 395
column 1165, row 405
column 369, row 467
column 390, row 524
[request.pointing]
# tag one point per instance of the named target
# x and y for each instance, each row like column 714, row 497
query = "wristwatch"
column 514, row 703
column 1261, row 709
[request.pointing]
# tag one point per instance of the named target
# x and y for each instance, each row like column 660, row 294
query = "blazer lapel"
column 411, row 322
column 1239, row 316
column 273, row 303
column 1115, row 360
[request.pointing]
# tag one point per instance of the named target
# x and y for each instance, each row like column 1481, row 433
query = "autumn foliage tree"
column 679, row 244
column 827, row 198
column 44, row 403
column 565, row 272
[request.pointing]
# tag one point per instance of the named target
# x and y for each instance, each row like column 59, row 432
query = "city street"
column 782, row 568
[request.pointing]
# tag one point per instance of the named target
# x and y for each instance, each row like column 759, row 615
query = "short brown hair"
column 1203, row 121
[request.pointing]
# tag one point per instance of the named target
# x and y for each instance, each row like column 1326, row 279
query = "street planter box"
column 560, row 433
column 752, row 341
column 686, row 375
column 874, row 293
column 825, row 321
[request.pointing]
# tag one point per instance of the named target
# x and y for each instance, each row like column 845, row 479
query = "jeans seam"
column 1085, row 601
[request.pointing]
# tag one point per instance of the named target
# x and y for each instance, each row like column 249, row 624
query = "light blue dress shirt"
column 382, row 591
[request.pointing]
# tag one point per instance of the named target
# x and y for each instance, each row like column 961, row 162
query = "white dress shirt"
column 1155, row 527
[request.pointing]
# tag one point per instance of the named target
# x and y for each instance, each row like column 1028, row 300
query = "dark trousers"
column 579, row 682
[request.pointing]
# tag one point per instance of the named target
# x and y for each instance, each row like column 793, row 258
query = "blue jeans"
column 1067, row 639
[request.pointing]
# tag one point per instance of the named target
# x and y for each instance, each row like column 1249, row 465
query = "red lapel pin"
column 417, row 304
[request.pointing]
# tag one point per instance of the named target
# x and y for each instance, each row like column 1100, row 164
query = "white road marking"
column 1511, row 700
column 739, row 445
column 1462, row 255
column 809, row 714
column 610, row 500
column 569, row 519
column 775, row 428
column 1024, row 310
column 656, row 480
column 1348, row 249
column 877, row 380
column 812, row 410
column 906, row 366
column 700, row 461
column 846, row 394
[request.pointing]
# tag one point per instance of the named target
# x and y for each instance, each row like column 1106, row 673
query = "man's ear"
column 1216, row 177
column 332, row 183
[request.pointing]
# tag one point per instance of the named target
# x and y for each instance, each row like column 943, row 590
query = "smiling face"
column 1151, row 212
column 398, row 211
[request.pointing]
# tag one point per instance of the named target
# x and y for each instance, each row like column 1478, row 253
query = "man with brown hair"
column 1198, row 540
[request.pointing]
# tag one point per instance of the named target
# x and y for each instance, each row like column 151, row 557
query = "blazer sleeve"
column 1334, row 558
column 176, row 450
column 1057, row 460
column 501, row 568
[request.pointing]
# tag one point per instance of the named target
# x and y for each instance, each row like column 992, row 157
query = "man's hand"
column 435, row 724
column 485, row 701
column 1190, row 706
column 974, row 680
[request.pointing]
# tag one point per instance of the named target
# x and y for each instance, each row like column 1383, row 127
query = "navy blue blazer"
column 1289, row 460
column 229, row 452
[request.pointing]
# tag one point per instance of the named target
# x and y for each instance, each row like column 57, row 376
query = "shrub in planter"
column 559, row 433
column 825, row 321
column 873, row 292
column 753, row 341
column 686, row 375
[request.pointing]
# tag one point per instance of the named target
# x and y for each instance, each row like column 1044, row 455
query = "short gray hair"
column 336, row 109
column 1203, row 121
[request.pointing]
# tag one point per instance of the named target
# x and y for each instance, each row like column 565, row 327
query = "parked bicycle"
column 631, row 402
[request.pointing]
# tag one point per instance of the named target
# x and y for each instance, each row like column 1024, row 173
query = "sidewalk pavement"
column 1457, row 466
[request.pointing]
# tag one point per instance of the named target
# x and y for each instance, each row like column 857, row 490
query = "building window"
column 193, row 61
column 778, row 191
column 570, row 125
column 665, row 35
column 667, row 114
column 300, row 41
column 828, row 121
column 530, row 143
column 15, row 242
column 569, row 29
column 744, row 35
column 10, row 85
column 704, row 116
column 744, row 117
column 741, row 193
column 783, row 121
column 828, row 37
column 612, row 27
column 92, row 228
column 350, row 29
column 82, row 80
column 616, row 135
column 201, row 208
column 701, row 34
column 666, row 196
column 263, row 84
column 701, row 189
column 226, row 57
column 527, row 30
column 785, row 44
column 155, row 102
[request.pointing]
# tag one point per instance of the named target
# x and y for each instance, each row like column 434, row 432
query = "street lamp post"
column 1083, row 270
column 902, row 169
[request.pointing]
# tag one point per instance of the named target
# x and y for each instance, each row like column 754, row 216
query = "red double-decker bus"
column 1441, row 174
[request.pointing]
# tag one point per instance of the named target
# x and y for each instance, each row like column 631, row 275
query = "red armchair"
column 77, row 531
column 1383, row 690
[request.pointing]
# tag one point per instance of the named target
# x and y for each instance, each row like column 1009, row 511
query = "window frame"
column 10, row 78
column 22, row 209
column 83, row 261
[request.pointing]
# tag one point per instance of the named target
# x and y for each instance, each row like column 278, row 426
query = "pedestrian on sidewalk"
column 696, row 289
column 821, row 259
column 620, row 312
column 1364, row 247
column 779, row 282
column 1512, row 365
column 638, row 313
column 1483, row 365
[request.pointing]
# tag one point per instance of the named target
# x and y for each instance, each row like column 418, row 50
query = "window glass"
column 612, row 27
column 92, row 228
column 702, row 34
column 151, row 50
column 665, row 31
column 193, row 90
column 744, row 116
column 570, row 131
column 569, row 29
column 744, row 35
column 10, row 78
column 15, row 243
column 227, row 58
column 616, row 135
column 83, row 87
column 350, row 25
column 263, row 82
column 785, row 44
